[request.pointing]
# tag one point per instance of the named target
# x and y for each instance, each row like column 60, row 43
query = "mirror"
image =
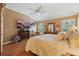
column 51, row 27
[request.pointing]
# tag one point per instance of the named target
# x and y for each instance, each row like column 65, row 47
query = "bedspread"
column 46, row 45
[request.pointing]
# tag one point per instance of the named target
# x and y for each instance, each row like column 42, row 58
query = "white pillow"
column 60, row 36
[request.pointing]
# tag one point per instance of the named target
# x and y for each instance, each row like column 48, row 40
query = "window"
column 33, row 28
column 66, row 24
column 41, row 27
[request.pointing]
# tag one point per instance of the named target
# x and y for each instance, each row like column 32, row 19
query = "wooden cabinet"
column 24, row 34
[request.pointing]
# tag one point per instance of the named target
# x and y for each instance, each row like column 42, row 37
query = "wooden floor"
column 16, row 49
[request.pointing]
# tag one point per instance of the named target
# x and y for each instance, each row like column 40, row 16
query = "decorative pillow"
column 71, row 31
column 60, row 36
column 74, row 40
column 67, row 34
column 73, row 28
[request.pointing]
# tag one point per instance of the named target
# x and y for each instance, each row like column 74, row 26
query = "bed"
column 55, row 44
column 46, row 45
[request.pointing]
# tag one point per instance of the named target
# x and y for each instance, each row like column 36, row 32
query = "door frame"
column 1, row 27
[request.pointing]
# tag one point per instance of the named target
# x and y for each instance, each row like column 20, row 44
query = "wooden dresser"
column 24, row 34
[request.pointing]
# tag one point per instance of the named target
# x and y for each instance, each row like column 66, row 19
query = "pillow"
column 71, row 31
column 67, row 34
column 74, row 40
column 73, row 28
column 60, row 36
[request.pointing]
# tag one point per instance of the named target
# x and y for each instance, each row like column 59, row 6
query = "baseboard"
column 9, row 42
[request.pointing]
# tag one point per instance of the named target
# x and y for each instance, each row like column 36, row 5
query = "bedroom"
column 31, row 29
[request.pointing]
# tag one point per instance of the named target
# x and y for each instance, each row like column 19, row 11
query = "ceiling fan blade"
column 29, row 10
column 40, row 7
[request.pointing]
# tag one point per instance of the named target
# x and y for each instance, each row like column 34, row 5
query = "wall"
column 10, row 18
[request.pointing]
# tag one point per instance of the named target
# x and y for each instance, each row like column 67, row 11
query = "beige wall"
column 10, row 18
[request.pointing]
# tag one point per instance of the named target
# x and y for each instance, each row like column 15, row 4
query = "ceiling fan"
column 39, row 11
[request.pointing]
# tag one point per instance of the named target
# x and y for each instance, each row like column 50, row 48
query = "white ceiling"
column 54, row 10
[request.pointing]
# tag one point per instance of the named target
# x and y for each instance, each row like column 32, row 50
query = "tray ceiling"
column 53, row 10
